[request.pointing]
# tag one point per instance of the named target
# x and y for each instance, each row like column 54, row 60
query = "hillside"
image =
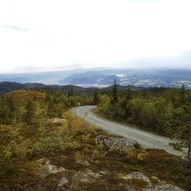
column 11, row 86
column 104, row 77
column 45, row 147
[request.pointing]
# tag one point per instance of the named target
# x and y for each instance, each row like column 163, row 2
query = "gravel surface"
column 145, row 139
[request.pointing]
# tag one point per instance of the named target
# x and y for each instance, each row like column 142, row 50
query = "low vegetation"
column 45, row 147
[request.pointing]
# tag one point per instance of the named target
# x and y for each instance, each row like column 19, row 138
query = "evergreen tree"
column 30, row 112
column 10, row 104
column 96, row 99
column 182, row 95
column 179, row 127
column 114, row 93
column 70, row 92
column 128, row 94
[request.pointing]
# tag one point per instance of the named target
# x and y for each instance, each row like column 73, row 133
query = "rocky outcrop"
column 58, row 120
column 145, row 183
column 47, row 168
column 52, row 169
column 63, row 183
column 166, row 187
column 137, row 176
column 117, row 143
column 86, row 176
column 69, row 179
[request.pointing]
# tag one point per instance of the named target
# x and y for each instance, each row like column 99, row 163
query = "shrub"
column 5, row 162
column 54, row 143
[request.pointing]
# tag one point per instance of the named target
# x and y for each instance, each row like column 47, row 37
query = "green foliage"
column 114, row 93
column 96, row 98
column 30, row 113
column 54, row 143
column 5, row 163
column 166, row 112
column 27, row 105
column 27, row 133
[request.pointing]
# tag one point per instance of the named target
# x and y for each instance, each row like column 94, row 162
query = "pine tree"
column 181, row 120
column 70, row 92
column 114, row 93
column 30, row 112
column 182, row 95
column 128, row 94
column 96, row 99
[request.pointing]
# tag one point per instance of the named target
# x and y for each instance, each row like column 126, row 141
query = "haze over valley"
column 104, row 77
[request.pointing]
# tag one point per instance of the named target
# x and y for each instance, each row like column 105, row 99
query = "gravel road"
column 145, row 139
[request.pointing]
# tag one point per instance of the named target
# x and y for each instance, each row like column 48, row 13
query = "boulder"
column 45, row 168
column 166, row 187
column 86, row 176
column 137, row 176
column 52, row 169
column 58, row 120
column 117, row 143
column 62, row 183
column 104, row 173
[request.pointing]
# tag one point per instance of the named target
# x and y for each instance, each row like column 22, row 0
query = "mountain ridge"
column 103, row 78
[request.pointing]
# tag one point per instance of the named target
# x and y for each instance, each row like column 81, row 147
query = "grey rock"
column 137, row 176
column 104, row 173
column 63, row 182
column 58, row 120
column 117, row 143
column 86, row 176
column 166, row 187
column 52, row 169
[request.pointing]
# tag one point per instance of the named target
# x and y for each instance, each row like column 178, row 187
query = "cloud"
column 15, row 28
column 87, row 33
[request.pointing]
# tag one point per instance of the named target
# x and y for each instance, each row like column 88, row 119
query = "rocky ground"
column 97, row 161
column 88, row 179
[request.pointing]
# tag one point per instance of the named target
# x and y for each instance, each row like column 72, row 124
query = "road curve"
column 145, row 139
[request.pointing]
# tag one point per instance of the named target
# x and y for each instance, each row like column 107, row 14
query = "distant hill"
column 12, row 86
column 103, row 78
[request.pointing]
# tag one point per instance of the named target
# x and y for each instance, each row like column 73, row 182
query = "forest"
column 162, row 111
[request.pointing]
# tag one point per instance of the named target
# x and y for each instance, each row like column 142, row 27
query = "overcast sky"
column 62, row 34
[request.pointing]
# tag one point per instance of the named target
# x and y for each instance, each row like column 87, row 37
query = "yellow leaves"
column 81, row 158
column 17, row 148
column 142, row 155
column 132, row 154
column 77, row 124
column 20, row 97
column 98, row 154
column 86, row 138
column 137, row 154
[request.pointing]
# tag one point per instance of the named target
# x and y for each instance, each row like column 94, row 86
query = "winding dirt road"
column 145, row 139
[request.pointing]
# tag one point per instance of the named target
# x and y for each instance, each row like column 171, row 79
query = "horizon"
column 84, row 70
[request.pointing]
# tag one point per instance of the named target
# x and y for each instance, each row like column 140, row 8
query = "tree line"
column 27, row 105
column 164, row 111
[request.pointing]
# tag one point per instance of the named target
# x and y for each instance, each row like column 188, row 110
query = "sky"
column 43, row 35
